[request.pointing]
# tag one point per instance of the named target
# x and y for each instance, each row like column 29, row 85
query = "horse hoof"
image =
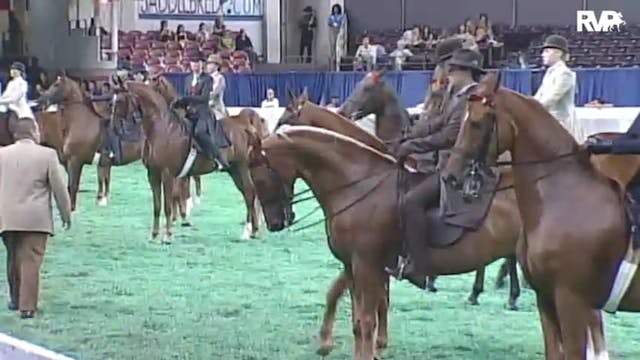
column 102, row 201
column 500, row 284
column 167, row 239
column 246, row 233
column 432, row 289
column 325, row 349
column 513, row 307
column 473, row 302
column 185, row 223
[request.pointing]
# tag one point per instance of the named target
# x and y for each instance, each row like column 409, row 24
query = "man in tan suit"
column 29, row 174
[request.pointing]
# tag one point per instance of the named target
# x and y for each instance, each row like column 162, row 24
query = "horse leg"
column 574, row 316
column 550, row 329
column 369, row 283
column 431, row 283
column 478, row 286
column 155, row 182
column 167, row 189
column 502, row 274
column 198, row 182
column 185, row 203
column 514, row 282
column 74, row 167
column 104, row 177
column 337, row 289
column 596, row 341
column 242, row 180
column 383, row 321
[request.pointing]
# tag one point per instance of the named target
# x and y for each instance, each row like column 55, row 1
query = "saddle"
column 448, row 221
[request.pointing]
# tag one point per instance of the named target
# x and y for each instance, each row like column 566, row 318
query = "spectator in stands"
column 271, row 101
column 485, row 24
column 202, row 34
column 165, row 33
column 218, row 27
column 429, row 37
column 216, row 99
column 558, row 87
column 307, row 25
column 243, row 43
column 335, row 22
column 43, row 83
column 334, row 103
column 227, row 41
column 106, row 89
column 181, row 34
column 400, row 55
column 598, row 103
column 366, row 55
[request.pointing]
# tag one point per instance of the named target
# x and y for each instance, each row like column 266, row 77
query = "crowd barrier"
column 594, row 120
column 618, row 86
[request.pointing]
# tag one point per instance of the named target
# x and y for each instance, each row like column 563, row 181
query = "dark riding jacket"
column 202, row 88
column 443, row 132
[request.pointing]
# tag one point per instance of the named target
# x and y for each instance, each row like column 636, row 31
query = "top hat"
column 556, row 42
column 445, row 49
column 467, row 58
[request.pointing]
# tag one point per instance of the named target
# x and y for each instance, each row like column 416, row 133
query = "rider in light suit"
column 558, row 88
column 15, row 95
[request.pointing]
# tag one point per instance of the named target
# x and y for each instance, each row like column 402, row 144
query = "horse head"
column 370, row 96
column 64, row 90
column 123, row 106
column 257, row 122
column 161, row 85
column 274, row 182
column 487, row 131
column 291, row 113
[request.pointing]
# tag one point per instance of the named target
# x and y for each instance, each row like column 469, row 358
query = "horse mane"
column 347, row 123
column 149, row 93
column 285, row 130
column 168, row 87
column 86, row 100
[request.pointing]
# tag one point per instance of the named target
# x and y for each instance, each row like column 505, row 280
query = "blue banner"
column 199, row 10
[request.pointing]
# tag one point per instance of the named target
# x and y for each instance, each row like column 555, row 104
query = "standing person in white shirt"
column 271, row 101
column 558, row 88
column 15, row 95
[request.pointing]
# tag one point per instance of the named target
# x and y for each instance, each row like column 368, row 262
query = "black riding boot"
column 210, row 149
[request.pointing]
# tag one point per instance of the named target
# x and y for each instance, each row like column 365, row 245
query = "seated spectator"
column 181, row 34
column 598, row 103
column 485, row 24
column 228, row 41
column 43, row 83
column 218, row 27
column 165, row 33
column 429, row 37
column 400, row 55
column 413, row 37
column 243, row 43
column 271, row 101
column 334, row 103
column 366, row 55
column 202, row 34
column 106, row 89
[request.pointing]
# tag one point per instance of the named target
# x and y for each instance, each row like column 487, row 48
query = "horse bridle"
column 286, row 200
column 472, row 182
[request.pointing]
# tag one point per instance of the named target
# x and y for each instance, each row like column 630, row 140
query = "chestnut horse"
column 170, row 94
column 169, row 153
column 576, row 252
column 357, row 188
column 50, row 125
column 83, row 131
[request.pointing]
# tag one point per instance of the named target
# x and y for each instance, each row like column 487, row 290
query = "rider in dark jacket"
column 464, row 68
column 198, row 112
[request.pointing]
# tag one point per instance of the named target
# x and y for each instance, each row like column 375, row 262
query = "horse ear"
column 381, row 73
column 305, row 94
column 291, row 96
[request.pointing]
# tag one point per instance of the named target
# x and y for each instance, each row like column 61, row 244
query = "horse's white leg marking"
column 197, row 199
column 246, row 233
column 189, row 206
column 590, row 351
column 102, row 201
column 96, row 158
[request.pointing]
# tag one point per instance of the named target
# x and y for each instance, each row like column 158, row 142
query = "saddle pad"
column 439, row 233
column 188, row 163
